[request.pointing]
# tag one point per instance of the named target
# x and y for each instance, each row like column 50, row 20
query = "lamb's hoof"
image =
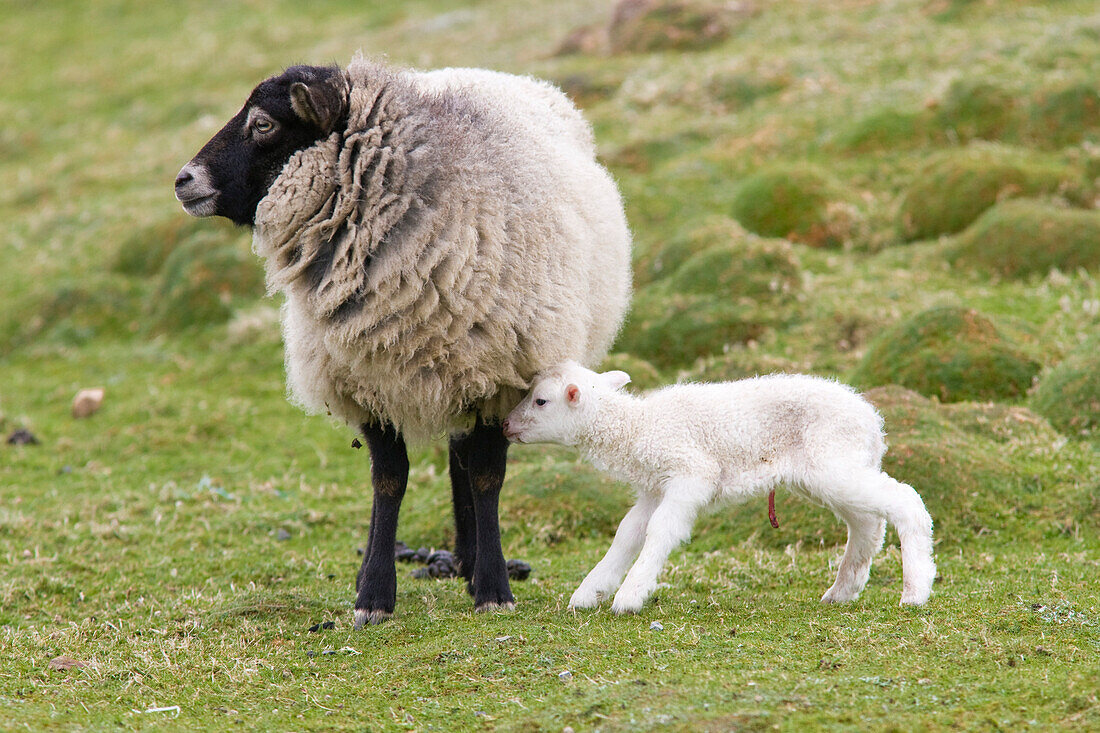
column 495, row 606
column 914, row 599
column 585, row 598
column 629, row 604
column 833, row 596
column 364, row 617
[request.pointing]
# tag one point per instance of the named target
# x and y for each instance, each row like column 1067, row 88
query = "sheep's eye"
column 540, row 402
column 263, row 126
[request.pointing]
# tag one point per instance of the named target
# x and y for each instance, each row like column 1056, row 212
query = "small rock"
column 518, row 570
column 282, row 535
column 87, row 402
column 656, row 626
column 63, row 663
column 328, row 653
column 22, row 436
column 565, row 676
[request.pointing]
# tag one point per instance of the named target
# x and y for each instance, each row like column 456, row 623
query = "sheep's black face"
column 283, row 115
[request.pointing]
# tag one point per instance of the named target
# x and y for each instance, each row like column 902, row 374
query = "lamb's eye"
column 540, row 402
column 263, row 126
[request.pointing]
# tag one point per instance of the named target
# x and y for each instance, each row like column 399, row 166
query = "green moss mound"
column 958, row 186
column 74, row 312
column 951, row 353
column 145, row 250
column 660, row 262
column 1024, row 237
column 1065, row 115
column 977, row 109
column 792, row 201
column 885, row 129
column 754, row 268
column 1069, row 395
column 642, row 26
column 1006, row 424
column 674, row 329
column 201, row 284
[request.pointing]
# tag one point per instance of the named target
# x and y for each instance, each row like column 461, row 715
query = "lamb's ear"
column 615, row 379
column 573, row 395
column 320, row 104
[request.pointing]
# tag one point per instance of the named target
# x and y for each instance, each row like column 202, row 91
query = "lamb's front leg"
column 669, row 526
column 605, row 578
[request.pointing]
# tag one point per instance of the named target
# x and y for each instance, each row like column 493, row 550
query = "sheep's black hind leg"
column 462, row 497
column 377, row 581
column 479, row 458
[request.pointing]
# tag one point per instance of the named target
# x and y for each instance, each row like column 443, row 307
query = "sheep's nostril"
column 506, row 425
column 184, row 177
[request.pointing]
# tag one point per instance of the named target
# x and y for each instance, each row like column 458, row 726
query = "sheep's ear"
column 320, row 104
column 615, row 379
column 573, row 395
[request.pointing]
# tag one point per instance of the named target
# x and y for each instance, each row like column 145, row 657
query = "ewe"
column 691, row 445
column 440, row 237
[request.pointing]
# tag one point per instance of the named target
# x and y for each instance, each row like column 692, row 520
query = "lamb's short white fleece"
column 688, row 446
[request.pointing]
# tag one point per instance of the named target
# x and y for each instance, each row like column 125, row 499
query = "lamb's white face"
column 560, row 404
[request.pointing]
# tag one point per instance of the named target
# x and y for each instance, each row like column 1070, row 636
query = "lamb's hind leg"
column 914, row 527
column 869, row 490
column 605, row 578
column 865, row 534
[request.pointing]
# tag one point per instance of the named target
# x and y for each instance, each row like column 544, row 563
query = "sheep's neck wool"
column 414, row 250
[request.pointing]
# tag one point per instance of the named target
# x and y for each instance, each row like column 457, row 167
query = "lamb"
column 439, row 238
column 688, row 446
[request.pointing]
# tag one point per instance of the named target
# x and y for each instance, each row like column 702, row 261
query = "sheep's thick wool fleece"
column 457, row 237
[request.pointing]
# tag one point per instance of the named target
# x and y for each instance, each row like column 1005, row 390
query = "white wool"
column 458, row 237
column 690, row 446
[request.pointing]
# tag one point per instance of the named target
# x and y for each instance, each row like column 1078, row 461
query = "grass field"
column 824, row 187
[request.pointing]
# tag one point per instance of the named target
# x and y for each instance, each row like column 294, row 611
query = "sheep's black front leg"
column 477, row 473
column 377, row 581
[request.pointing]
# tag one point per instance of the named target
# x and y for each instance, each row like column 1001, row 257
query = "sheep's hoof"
column 494, row 606
column 364, row 617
